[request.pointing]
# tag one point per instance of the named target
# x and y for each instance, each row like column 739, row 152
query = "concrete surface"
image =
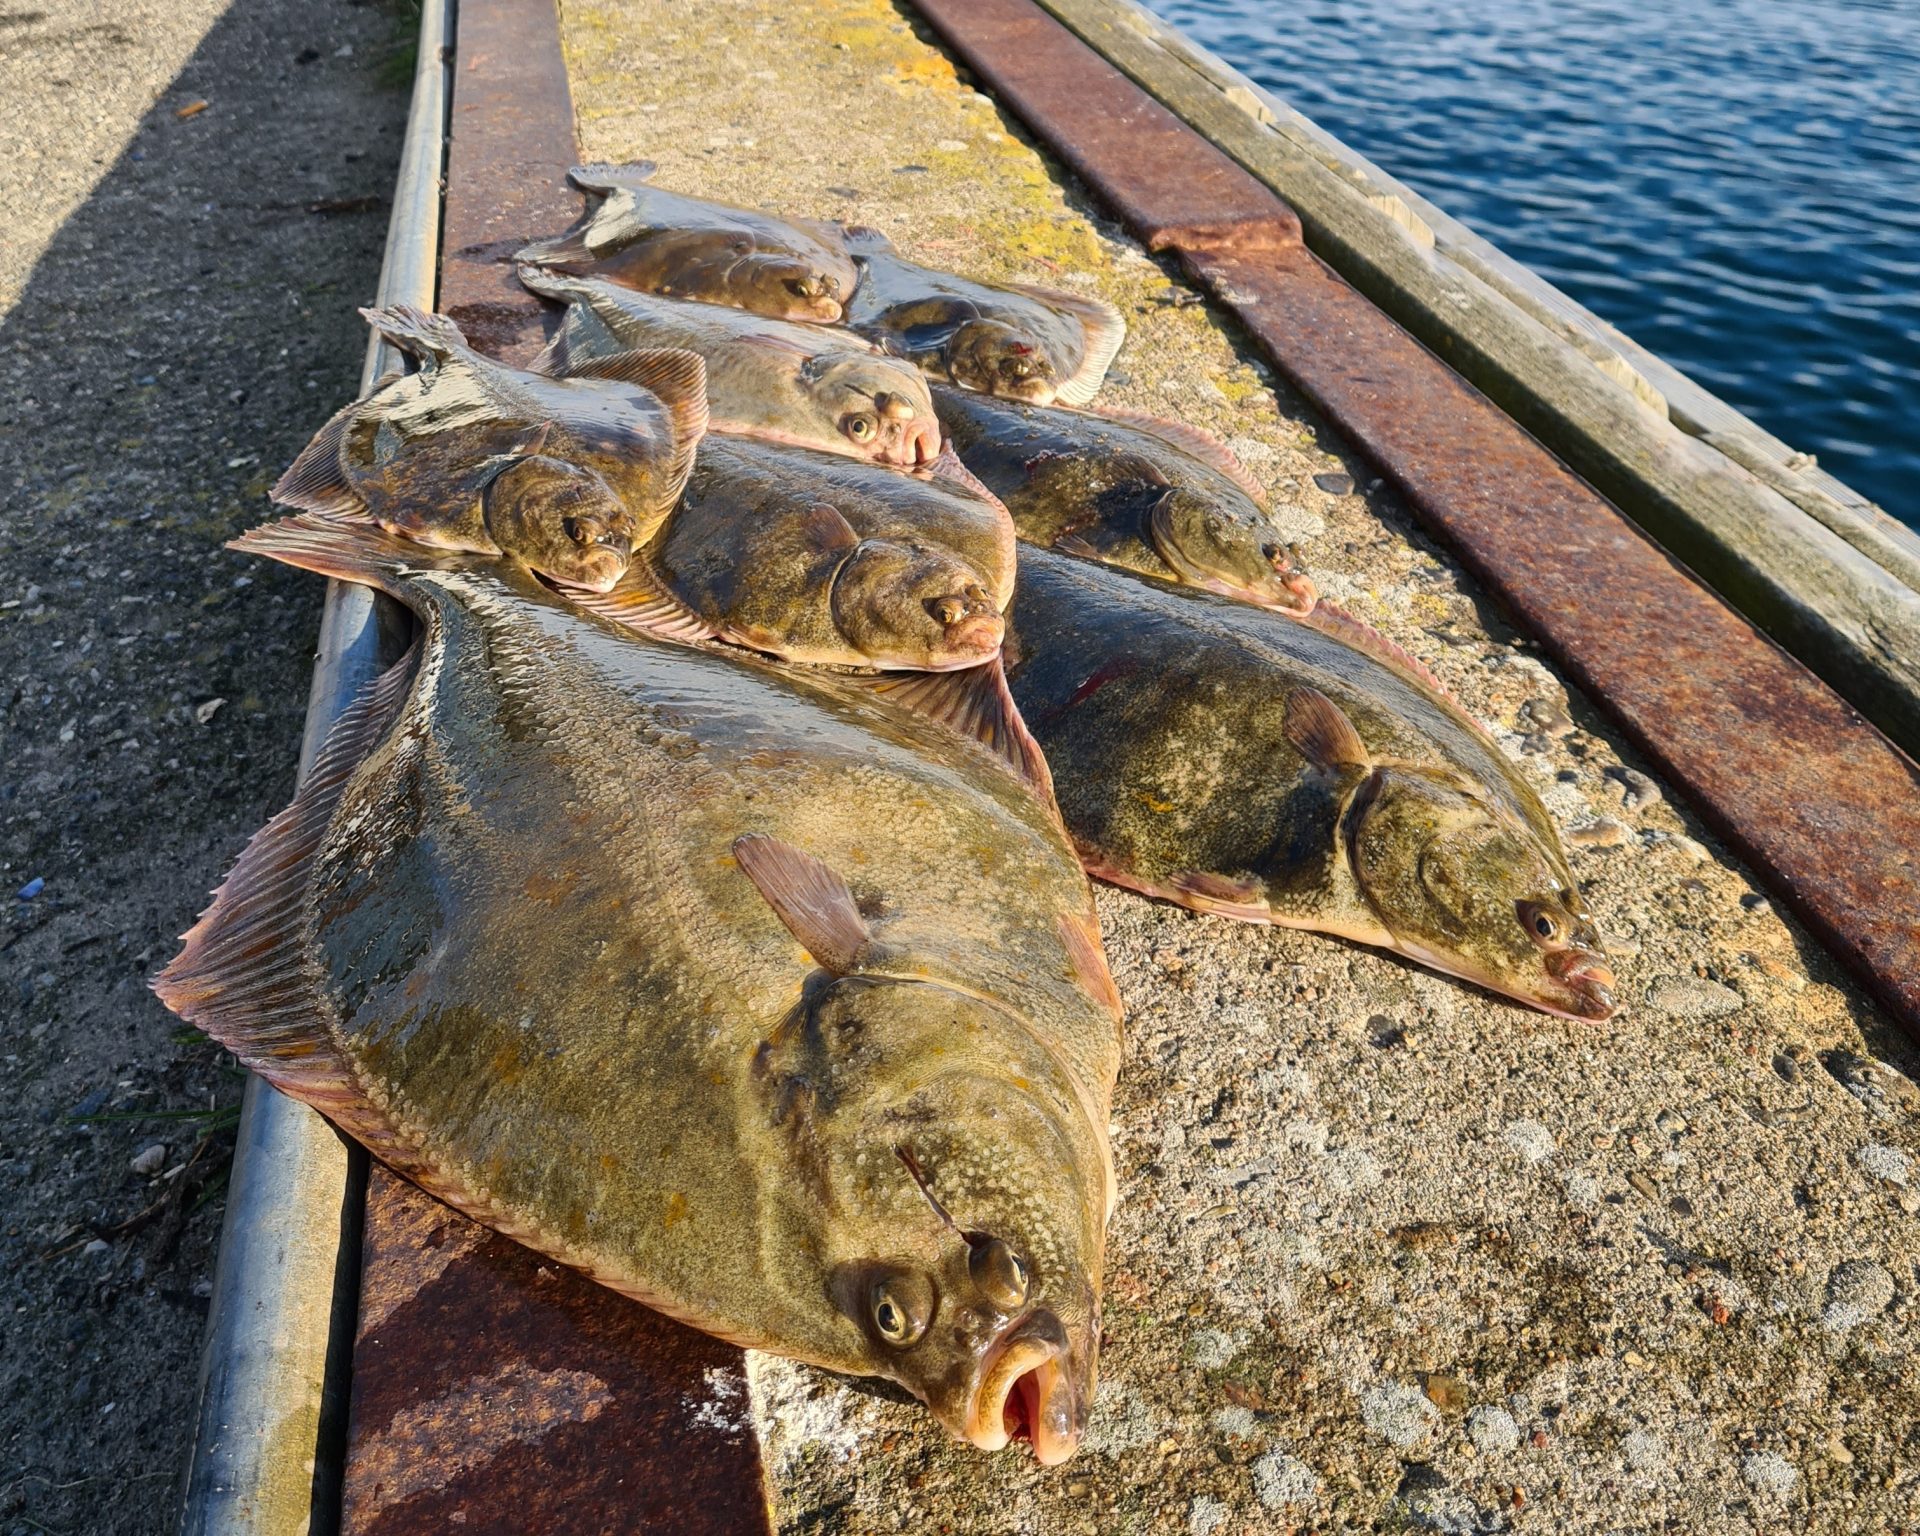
column 174, row 321
column 1390, row 1255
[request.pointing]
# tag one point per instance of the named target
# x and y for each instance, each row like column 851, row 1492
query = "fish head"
column 785, row 286
column 910, row 605
column 561, row 520
column 1467, row 888
column 879, row 407
column 970, row 1192
column 1225, row 545
column 996, row 358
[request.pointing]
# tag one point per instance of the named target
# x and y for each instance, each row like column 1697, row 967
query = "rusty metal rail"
column 1824, row 807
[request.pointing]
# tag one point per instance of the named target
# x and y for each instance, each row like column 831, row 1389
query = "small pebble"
column 1635, row 789
column 1335, row 485
column 1492, row 1430
column 1601, row 832
column 98, row 1246
column 1447, row 1393
column 31, row 889
column 1857, row 1292
column 1691, row 997
column 149, row 1160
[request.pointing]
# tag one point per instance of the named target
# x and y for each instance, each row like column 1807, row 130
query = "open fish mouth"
column 918, row 446
column 1027, row 1393
column 1589, row 980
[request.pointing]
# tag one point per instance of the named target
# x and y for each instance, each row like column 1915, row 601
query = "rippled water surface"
column 1733, row 183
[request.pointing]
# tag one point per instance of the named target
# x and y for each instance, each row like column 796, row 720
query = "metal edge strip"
column 270, row 1423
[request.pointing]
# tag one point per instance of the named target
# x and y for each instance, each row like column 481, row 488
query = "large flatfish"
column 1013, row 339
column 806, row 384
column 1240, row 762
column 774, row 1008
column 565, row 475
column 818, row 558
column 645, row 237
column 1157, row 497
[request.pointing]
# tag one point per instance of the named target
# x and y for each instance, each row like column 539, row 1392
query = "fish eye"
column 901, row 1307
column 1538, row 921
column 742, row 247
column 861, row 427
column 1000, row 1273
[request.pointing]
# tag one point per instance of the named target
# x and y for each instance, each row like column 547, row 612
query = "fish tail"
column 429, row 337
column 678, row 379
column 560, row 253
column 603, row 176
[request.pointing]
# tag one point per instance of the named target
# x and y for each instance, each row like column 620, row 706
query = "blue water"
column 1733, row 183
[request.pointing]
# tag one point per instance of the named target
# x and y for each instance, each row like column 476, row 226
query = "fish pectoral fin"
column 810, row 898
column 1103, row 326
column 974, row 702
column 1194, row 441
column 642, row 599
column 316, row 481
column 242, row 974
column 1322, row 734
column 858, row 239
column 603, row 176
column 1073, row 544
column 827, row 530
column 416, row 332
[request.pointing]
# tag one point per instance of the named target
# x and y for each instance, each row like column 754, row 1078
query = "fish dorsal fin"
column 1322, row 734
column 316, row 481
column 976, row 703
column 1104, row 327
column 429, row 337
column 603, row 176
column 1330, row 619
column 344, row 548
column 811, row 899
column 642, row 599
column 242, row 974
column 1197, row 441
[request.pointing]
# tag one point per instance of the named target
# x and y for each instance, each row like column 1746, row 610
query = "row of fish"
column 703, row 899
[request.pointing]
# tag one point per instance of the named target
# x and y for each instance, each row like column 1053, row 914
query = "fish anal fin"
column 1321, row 733
column 810, row 898
column 643, row 600
column 975, row 703
column 1195, row 441
column 316, row 481
column 1221, row 895
column 242, row 974
column 1104, row 327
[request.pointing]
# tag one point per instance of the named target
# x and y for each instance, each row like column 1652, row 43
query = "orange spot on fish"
column 545, row 886
column 676, row 1209
column 1159, row 806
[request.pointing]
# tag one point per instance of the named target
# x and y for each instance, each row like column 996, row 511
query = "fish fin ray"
column 1333, row 620
column 678, row 379
column 1104, row 327
column 315, row 481
column 810, row 898
column 582, row 338
column 1081, row 936
column 1205, row 891
column 1321, row 733
column 1073, row 544
column 241, row 975
column 346, row 549
column 1196, row 441
column 643, row 600
column 976, row 703
column 863, row 240
column 947, row 465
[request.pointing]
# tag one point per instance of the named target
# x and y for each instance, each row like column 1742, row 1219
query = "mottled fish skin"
column 567, row 475
column 1122, row 492
column 1023, row 343
column 647, row 238
column 823, row 560
column 1240, row 762
column 773, row 1007
column 803, row 384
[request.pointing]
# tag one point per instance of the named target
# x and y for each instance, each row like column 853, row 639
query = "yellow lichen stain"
column 676, row 1209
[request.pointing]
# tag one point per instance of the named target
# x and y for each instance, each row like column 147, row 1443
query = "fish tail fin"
column 1105, row 328
column 242, row 974
column 316, row 481
column 603, row 176
column 860, row 239
column 417, row 332
column 562, row 287
column 557, row 253
column 343, row 548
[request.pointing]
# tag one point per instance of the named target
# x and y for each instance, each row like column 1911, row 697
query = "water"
column 1733, row 183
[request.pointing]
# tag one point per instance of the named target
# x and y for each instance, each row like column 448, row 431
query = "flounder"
column 1157, row 497
column 765, row 1004
column 791, row 383
column 818, row 558
column 1298, row 773
column 1014, row 339
column 642, row 236
column 565, row 475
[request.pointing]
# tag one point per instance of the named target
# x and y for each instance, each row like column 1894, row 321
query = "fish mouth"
column 917, row 447
column 1589, row 980
column 1579, row 981
column 1027, row 1393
